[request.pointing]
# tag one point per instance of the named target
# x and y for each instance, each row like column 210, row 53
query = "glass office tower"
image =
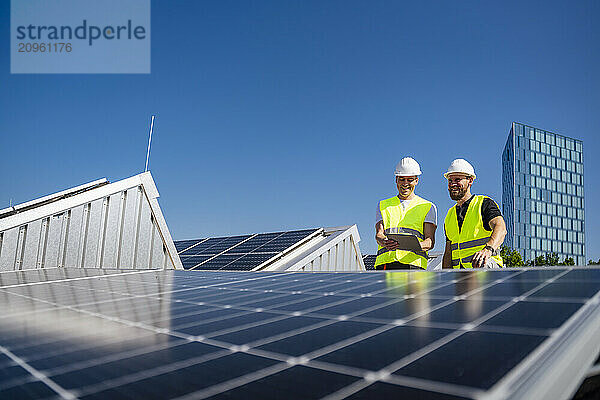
column 542, row 193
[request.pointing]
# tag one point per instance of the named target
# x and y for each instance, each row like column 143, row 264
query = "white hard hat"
column 407, row 167
column 460, row 166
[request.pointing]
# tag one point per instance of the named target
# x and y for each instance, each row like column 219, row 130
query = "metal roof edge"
column 556, row 368
column 5, row 212
column 73, row 201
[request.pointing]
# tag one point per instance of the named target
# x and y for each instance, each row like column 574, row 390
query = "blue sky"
column 284, row 115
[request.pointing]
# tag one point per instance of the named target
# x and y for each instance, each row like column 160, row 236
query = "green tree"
column 568, row 261
column 552, row 259
column 592, row 262
column 536, row 262
column 510, row 257
column 546, row 259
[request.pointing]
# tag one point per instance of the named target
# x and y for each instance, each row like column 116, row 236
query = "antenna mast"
column 149, row 141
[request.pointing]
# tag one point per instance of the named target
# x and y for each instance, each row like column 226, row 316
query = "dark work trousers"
column 397, row 265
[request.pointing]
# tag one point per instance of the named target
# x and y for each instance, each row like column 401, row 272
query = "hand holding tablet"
column 407, row 242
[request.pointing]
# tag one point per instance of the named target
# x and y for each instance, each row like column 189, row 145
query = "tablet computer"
column 407, row 242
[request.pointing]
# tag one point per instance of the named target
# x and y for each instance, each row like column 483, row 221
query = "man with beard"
column 474, row 226
column 405, row 213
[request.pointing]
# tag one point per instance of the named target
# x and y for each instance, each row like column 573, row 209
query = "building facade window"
column 543, row 197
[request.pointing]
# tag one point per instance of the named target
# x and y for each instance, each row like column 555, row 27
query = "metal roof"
column 96, row 225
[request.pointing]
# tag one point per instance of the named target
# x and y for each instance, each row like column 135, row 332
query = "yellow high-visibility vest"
column 396, row 219
column 471, row 238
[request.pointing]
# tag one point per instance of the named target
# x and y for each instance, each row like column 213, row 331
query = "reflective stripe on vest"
column 471, row 238
column 398, row 220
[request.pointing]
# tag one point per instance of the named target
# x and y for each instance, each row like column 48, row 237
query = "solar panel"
column 196, row 334
column 185, row 244
column 204, row 246
column 256, row 242
column 227, row 244
column 191, row 261
column 251, row 261
column 219, row 262
column 242, row 253
column 283, row 242
column 227, row 261
column 369, row 261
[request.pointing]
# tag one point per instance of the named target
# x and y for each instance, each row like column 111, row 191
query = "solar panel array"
column 244, row 252
column 369, row 260
column 207, row 334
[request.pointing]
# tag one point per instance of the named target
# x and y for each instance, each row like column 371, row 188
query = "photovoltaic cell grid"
column 209, row 334
column 369, row 261
column 242, row 253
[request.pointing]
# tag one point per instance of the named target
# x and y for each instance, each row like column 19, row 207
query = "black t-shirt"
column 489, row 211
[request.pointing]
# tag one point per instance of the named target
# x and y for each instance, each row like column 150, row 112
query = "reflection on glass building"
column 542, row 193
